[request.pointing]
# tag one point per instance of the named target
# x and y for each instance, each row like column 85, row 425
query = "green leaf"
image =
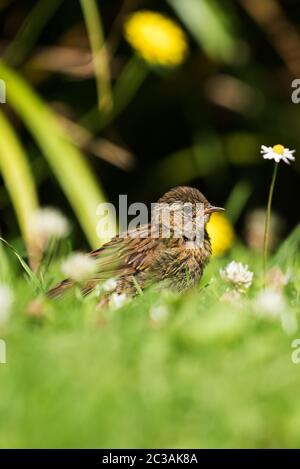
column 17, row 176
column 237, row 199
column 288, row 253
column 5, row 268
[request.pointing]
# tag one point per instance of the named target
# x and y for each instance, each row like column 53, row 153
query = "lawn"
column 207, row 374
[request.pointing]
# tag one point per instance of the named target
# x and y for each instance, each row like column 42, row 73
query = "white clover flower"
column 79, row 267
column 270, row 303
column 6, row 300
column 237, row 275
column 273, row 305
column 232, row 296
column 278, row 153
column 159, row 313
column 277, row 279
column 48, row 223
column 117, row 300
column 109, row 285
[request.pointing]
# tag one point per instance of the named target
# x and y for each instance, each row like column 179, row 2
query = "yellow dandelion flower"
column 221, row 233
column 156, row 38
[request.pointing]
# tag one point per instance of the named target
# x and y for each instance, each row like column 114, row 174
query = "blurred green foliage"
column 201, row 124
column 208, row 375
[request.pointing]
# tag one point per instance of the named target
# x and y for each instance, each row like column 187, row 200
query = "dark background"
column 177, row 110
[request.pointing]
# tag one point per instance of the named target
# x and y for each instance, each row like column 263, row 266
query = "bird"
column 172, row 250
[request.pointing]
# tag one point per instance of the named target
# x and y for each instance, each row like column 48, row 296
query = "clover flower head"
column 232, row 296
column 156, row 38
column 159, row 313
column 118, row 300
column 277, row 279
column 6, row 300
column 109, row 285
column 255, row 226
column 238, row 276
column 79, row 267
column 48, row 223
column 278, row 153
column 270, row 303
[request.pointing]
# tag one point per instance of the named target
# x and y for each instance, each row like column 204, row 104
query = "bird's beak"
column 212, row 209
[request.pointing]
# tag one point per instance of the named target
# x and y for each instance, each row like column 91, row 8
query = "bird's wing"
column 127, row 254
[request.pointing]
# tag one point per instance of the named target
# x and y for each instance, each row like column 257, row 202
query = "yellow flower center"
column 279, row 149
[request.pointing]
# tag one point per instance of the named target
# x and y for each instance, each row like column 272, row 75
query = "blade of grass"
column 93, row 23
column 137, row 286
column 25, row 266
column 17, row 177
column 289, row 250
column 237, row 200
column 5, row 269
column 67, row 162
column 210, row 25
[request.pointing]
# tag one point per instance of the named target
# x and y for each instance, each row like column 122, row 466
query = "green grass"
column 210, row 375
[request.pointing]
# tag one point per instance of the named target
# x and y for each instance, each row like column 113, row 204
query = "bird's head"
column 183, row 213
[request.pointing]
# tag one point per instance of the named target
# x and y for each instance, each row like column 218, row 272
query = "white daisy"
column 278, row 153
column 6, row 300
column 79, row 267
column 237, row 275
column 117, row 300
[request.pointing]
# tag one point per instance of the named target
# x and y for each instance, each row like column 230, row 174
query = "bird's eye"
column 189, row 239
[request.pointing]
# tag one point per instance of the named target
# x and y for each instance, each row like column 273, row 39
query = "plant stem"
column 137, row 286
column 93, row 22
column 268, row 218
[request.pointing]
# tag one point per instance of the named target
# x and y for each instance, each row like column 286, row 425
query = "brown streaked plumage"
column 137, row 257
